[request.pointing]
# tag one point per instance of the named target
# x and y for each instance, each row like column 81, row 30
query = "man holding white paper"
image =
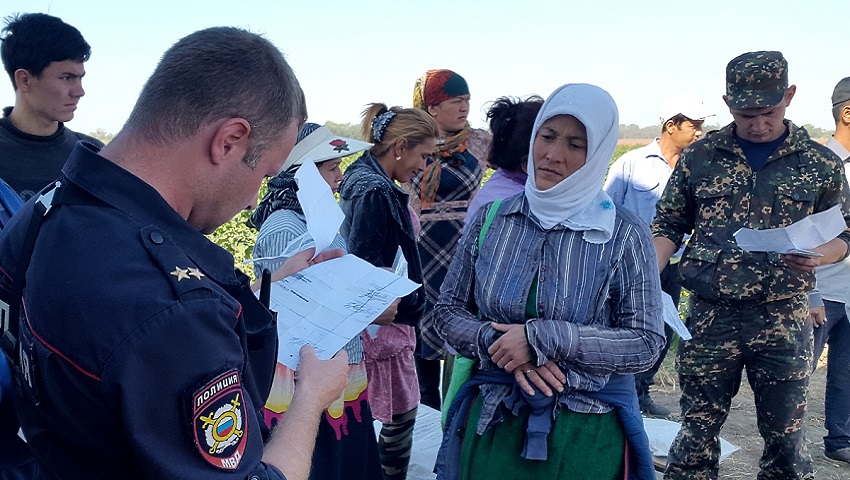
column 797, row 238
column 138, row 351
column 748, row 309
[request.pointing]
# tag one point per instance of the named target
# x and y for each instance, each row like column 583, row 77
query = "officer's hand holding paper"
column 331, row 302
column 798, row 238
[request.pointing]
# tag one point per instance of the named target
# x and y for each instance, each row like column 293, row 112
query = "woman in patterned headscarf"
column 442, row 193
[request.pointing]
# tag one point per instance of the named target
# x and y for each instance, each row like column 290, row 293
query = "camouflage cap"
column 756, row 80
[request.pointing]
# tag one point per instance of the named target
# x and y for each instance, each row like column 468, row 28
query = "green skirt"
column 580, row 446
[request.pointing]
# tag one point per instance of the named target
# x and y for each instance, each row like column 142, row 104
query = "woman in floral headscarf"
column 346, row 446
column 442, row 193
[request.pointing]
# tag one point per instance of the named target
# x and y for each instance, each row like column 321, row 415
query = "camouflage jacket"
column 714, row 192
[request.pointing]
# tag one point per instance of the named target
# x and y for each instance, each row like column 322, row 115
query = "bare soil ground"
column 741, row 430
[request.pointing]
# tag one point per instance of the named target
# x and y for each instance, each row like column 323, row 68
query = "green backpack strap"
column 463, row 367
column 491, row 214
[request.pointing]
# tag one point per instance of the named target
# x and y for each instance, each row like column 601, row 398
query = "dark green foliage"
column 349, row 130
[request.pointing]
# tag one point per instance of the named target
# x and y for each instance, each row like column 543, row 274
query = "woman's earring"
column 398, row 159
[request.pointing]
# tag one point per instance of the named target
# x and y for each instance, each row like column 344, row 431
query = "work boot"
column 652, row 409
column 841, row 455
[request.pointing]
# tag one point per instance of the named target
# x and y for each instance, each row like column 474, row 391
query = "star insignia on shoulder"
column 194, row 272
column 180, row 273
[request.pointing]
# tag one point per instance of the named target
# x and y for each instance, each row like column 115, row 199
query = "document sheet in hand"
column 798, row 238
column 327, row 304
column 319, row 205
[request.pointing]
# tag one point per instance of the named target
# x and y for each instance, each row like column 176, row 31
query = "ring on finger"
column 529, row 371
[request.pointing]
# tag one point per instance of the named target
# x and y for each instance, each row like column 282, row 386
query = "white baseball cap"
column 688, row 105
column 321, row 145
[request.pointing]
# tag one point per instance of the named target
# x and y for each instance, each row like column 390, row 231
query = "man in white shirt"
column 635, row 182
column 833, row 282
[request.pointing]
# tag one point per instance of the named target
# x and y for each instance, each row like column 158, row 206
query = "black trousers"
column 428, row 372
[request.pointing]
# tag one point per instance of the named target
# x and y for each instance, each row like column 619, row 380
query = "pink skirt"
column 393, row 385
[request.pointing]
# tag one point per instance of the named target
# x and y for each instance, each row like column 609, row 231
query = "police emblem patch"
column 221, row 429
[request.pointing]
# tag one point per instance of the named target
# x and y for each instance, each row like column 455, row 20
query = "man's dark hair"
column 32, row 41
column 677, row 120
column 219, row 73
column 836, row 110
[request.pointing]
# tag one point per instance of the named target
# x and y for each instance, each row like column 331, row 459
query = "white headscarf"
column 578, row 201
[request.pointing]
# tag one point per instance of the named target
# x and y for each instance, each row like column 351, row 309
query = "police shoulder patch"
column 219, row 422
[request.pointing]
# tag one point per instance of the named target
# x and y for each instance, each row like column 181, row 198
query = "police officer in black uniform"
column 139, row 351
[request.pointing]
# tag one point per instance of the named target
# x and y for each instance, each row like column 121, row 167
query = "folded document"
column 798, row 238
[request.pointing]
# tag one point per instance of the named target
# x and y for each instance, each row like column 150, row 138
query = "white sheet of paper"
column 662, row 432
column 806, row 234
column 327, row 304
column 400, row 269
column 324, row 216
column 672, row 318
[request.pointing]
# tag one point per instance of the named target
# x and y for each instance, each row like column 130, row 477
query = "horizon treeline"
column 629, row 131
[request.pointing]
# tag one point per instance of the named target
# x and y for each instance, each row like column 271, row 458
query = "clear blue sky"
column 347, row 54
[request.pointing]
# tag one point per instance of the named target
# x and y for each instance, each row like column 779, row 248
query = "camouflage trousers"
column 773, row 342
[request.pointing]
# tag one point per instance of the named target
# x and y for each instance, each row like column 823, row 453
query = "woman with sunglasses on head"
column 379, row 228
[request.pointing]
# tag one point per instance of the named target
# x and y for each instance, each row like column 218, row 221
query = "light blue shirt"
column 833, row 280
column 637, row 180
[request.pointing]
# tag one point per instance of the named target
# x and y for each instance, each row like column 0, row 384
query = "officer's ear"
column 230, row 141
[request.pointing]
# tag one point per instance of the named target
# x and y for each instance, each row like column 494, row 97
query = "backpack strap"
column 10, row 313
column 463, row 367
column 10, row 203
column 491, row 214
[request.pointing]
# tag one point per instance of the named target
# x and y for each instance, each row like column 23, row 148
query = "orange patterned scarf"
column 450, row 151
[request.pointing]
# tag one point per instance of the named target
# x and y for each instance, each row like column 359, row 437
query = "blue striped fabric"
column 599, row 305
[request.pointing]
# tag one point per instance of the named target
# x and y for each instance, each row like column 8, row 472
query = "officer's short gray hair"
column 218, row 73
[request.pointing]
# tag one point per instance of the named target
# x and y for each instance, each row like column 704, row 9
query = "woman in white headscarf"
column 555, row 301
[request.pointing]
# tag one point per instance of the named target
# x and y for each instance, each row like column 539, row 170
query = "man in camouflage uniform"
column 748, row 309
